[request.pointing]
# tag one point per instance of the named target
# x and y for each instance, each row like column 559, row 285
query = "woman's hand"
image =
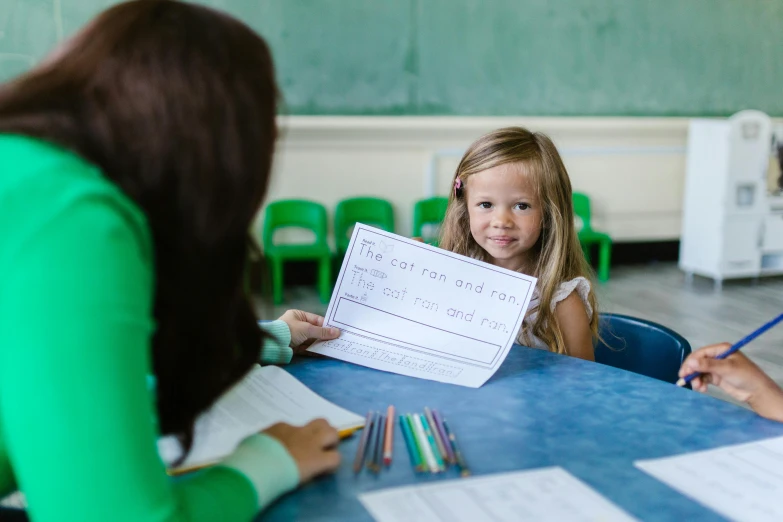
column 313, row 447
column 736, row 375
column 306, row 328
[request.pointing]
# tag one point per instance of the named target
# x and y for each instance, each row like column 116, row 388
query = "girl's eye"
column 522, row 206
column 485, row 204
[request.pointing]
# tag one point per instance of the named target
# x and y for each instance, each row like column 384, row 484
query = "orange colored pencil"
column 388, row 442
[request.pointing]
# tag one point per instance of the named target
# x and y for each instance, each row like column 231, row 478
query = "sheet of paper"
column 547, row 494
column 264, row 397
column 410, row 308
column 741, row 482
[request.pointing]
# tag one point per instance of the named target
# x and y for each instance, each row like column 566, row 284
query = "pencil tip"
column 681, row 382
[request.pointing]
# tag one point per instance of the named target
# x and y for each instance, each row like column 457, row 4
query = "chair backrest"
column 582, row 209
column 371, row 211
column 641, row 346
column 295, row 213
column 430, row 211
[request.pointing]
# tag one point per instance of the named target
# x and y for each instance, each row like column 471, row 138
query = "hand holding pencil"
column 722, row 365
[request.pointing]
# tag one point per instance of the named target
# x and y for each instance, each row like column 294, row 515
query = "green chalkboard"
column 485, row 57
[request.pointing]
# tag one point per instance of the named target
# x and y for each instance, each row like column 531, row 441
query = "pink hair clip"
column 457, row 187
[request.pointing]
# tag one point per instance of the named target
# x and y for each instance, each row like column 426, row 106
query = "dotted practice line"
column 390, row 357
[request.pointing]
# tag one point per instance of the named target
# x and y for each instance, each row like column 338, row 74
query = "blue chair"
column 640, row 346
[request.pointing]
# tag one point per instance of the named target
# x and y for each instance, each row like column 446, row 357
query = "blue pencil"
column 362, row 446
column 735, row 347
column 372, row 438
column 377, row 457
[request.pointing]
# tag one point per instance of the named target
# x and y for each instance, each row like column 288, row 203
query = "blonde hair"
column 559, row 256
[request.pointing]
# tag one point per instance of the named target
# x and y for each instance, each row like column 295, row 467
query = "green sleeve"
column 75, row 409
column 275, row 350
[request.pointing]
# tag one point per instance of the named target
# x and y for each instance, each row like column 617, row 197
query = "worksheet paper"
column 548, row 494
column 408, row 307
column 266, row 396
column 741, row 482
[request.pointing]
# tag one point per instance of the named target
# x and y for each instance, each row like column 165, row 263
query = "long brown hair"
column 558, row 255
column 176, row 104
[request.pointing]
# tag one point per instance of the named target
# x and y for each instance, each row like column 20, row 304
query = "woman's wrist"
column 768, row 402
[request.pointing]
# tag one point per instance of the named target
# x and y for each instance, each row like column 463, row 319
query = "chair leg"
column 604, row 260
column 586, row 251
column 325, row 278
column 277, row 280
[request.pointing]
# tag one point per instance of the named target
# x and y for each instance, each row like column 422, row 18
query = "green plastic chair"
column 430, row 211
column 589, row 237
column 297, row 213
column 370, row 211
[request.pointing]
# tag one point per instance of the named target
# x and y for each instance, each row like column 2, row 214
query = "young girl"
column 511, row 206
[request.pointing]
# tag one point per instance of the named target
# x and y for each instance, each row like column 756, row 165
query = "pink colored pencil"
column 388, row 442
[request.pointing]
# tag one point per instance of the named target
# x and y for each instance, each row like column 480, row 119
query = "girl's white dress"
column 579, row 284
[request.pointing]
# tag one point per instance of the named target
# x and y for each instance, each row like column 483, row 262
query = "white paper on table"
column 265, row 396
column 410, row 308
column 741, row 482
column 547, row 494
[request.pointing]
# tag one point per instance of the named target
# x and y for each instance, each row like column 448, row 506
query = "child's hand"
column 313, row 446
column 306, row 328
column 736, row 375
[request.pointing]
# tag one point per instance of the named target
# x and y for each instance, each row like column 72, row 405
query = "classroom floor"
column 658, row 292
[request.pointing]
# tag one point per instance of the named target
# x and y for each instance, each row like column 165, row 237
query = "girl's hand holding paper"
column 306, row 328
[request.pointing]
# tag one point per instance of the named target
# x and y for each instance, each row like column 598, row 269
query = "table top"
column 540, row 409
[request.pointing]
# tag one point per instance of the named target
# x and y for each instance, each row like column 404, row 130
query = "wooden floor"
column 658, row 292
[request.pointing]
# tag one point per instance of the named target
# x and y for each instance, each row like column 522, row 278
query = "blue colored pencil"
column 371, row 438
column 362, row 448
column 410, row 444
column 457, row 452
column 444, row 436
column 735, row 347
column 377, row 457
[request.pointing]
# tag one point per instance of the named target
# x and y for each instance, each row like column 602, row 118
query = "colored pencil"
column 436, row 435
column 347, row 432
column 374, row 464
column 360, row 450
column 371, row 438
column 433, row 445
column 439, row 426
column 416, row 444
column 735, row 347
column 388, row 441
column 463, row 466
column 410, row 444
column 424, row 445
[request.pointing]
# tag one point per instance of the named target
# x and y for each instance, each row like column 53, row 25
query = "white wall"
column 632, row 168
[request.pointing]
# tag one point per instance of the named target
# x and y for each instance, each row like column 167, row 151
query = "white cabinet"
column 730, row 229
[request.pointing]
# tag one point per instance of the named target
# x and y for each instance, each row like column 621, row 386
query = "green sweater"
column 77, row 428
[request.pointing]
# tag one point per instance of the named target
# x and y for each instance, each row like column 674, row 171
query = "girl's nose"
column 501, row 219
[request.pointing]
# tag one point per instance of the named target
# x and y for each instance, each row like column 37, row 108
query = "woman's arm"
column 736, row 375
column 77, row 416
column 575, row 327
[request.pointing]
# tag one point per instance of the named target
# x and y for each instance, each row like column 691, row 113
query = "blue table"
column 540, row 409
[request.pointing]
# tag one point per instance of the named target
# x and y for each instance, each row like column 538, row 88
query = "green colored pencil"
column 416, row 443
column 410, row 441
column 433, row 444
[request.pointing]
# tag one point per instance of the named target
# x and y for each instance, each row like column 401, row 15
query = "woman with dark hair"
column 132, row 162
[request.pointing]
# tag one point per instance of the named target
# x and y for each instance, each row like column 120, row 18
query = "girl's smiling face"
column 505, row 214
